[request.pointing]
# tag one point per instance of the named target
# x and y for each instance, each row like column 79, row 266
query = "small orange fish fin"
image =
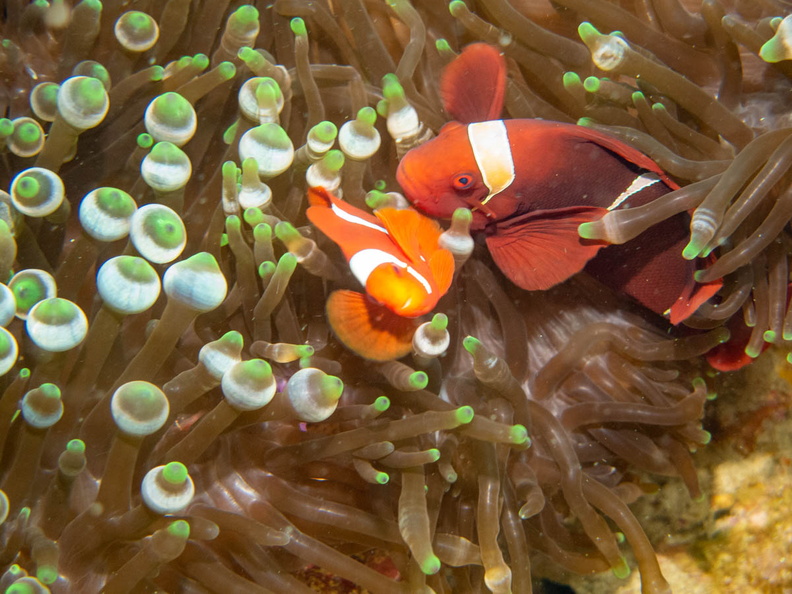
column 474, row 84
column 441, row 263
column 400, row 291
column 323, row 198
column 351, row 228
column 694, row 296
column 414, row 233
column 541, row 249
column 324, row 219
column 319, row 197
column 369, row 329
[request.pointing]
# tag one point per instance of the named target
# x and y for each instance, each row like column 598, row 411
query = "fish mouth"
column 418, row 194
column 480, row 220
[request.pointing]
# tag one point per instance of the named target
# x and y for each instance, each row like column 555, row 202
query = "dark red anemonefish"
column 396, row 257
column 531, row 183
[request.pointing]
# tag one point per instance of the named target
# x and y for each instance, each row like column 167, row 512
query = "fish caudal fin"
column 369, row 329
column 541, row 249
column 731, row 355
column 474, row 84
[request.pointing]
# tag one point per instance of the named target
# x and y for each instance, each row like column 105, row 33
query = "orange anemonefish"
column 531, row 183
column 394, row 255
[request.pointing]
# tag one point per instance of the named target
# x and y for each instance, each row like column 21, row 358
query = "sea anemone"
column 176, row 414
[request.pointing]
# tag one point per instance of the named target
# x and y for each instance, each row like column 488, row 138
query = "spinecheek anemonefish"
column 531, row 183
column 396, row 257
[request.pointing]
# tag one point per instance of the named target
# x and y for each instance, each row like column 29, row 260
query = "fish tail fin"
column 369, row 329
column 731, row 355
column 474, row 84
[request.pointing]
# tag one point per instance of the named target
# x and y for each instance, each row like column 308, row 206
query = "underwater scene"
column 395, row 296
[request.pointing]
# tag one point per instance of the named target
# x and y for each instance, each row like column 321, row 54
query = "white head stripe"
column 492, row 151
column 639, row 183
column 342, row 214
column 364, row 262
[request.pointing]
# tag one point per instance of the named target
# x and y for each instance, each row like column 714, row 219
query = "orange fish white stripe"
column 365, row 261
column 639, row 183
column 350, row 218
column 492, row 151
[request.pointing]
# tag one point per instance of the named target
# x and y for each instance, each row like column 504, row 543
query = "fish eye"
column 463, row 181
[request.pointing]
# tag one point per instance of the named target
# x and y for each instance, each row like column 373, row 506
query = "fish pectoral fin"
column 474, row 84
column 543, row 248
column 369, row 329
column 441, row 263
column 694, row 296
column 415, row 234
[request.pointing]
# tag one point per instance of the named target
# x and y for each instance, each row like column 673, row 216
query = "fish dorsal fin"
column 351, row 228
column 322, row 198
column 369, row 329
column 543, row 248
column 474, row 84
column 415, row 234
column 318, row 196
column 625, row 151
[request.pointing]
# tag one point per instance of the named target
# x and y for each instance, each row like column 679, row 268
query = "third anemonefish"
column 531, row 183
column 395, row 256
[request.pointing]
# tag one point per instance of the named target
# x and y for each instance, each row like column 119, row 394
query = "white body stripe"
column 639, row 183
column 364, row 262
column 342, row 214
column 492, row 151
